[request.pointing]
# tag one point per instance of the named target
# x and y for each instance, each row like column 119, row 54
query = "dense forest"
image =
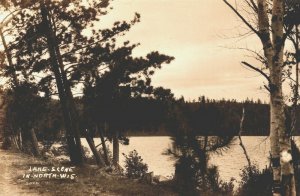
column 146, row 116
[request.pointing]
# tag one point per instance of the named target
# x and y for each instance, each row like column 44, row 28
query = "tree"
column 50, row 28
column 272, row 37
column 107, row 96
column 20, row 100
column 48, row 40
column 293, row 58
column 193, row 174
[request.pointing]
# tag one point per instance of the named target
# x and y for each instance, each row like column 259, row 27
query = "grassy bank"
column 89, row 181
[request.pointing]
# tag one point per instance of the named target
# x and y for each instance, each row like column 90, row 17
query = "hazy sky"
column 199, row 34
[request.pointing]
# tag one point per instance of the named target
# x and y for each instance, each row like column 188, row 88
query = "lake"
column 230, row 162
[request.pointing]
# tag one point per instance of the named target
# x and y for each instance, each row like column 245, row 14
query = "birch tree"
column 270, row 31
column 292, row 60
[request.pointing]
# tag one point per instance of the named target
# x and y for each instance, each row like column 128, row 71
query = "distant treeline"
column 204, row 117
column 157, row 115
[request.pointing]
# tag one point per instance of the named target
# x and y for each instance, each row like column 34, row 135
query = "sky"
column 203, row 36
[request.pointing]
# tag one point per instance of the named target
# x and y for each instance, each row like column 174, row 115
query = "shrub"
column 134, row 166
column 190, row 180
column 255, row 182
column 217, row 186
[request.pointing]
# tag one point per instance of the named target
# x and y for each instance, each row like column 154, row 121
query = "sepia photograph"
column 149, row 98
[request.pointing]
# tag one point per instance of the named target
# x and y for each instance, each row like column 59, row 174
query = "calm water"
column 230, row 162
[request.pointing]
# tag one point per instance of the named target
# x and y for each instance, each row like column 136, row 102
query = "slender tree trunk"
column 74, row 144
column 296, row 86
column 97, row 155
column 241, row 142
column 7, row 141
column 203, row 155
column 295, row 98
column 26, row 142
column 103, row 145
column 16, row 142
column 70, row 99
column 116, row 148
column 19, row 139
column 69, row 95
column 34, row 141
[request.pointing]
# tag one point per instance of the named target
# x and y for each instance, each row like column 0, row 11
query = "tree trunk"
column 18, row 140
column 287, row 169
column 8, row 56
column 277, row 123
column 263, row 26
column 70, row 99
column 74, row 144
column 34, row 141
column 103, row 145
column 296, row 86
column 26, row 144
column 296, row 97
column 97, row 155
column 7, row 142
column 241, row 141
column 283, row 174
column 116, row 148
column 7, row 136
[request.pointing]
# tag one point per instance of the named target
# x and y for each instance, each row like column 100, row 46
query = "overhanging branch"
column 258, row 70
